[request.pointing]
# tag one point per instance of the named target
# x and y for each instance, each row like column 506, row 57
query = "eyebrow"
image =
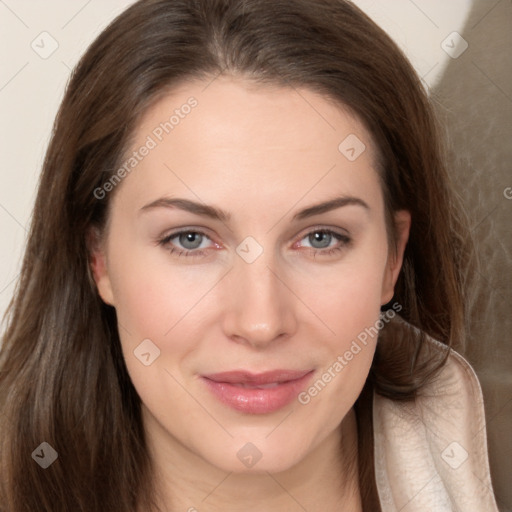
column 190, row 206
column 205, row 210
column 327, row 206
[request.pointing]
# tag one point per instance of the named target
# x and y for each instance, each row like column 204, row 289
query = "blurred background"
column 462, row 50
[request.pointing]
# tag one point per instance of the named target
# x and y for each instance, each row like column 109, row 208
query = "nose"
column 260, row 307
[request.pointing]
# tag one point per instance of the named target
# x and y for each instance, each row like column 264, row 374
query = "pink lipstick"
column 259, row 393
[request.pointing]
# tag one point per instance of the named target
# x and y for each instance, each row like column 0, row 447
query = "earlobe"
column 402, row 219
column 99, row 269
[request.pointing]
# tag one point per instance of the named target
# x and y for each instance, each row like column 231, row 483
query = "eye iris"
column 321, row 237
column 190, row 240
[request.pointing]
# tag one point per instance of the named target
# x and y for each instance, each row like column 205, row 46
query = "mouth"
column 261, row 393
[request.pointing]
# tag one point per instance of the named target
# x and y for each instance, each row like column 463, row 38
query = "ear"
column 402, row 221
column 98, row 265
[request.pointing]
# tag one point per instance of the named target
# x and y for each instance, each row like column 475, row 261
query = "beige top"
column 431, row 454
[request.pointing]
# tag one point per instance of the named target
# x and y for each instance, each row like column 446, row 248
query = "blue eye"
column 190, row 241
column 321, row 240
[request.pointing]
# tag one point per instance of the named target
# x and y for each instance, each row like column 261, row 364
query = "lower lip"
column 258, row 401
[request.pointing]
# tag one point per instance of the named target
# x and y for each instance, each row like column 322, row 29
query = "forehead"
column 230, row 135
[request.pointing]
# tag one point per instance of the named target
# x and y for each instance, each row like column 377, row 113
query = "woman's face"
column 281, row 266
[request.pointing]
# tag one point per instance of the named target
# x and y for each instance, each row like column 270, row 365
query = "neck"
column 186, row 482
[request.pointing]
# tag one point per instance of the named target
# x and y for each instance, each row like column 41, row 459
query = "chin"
column 258, row 456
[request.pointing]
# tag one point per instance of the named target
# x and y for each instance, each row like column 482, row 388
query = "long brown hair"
column 62, row 375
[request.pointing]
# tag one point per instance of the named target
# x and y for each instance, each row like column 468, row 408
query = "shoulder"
column 432, row 451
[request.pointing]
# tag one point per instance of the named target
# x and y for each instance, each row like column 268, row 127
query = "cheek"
column 349, row 305
column 156, row 303
column 347, row 297
column 163, row 302
column 154, row 294
column 352, row 312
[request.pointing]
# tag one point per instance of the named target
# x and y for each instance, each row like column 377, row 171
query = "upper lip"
column 257, row 379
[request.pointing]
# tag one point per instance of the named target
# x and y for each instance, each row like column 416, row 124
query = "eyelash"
column 344, row 240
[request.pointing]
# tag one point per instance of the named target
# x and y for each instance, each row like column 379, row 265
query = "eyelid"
column 185, row 229
column 200, row 231
column 329, row 229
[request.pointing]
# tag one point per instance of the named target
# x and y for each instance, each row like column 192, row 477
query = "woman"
column 238, row 199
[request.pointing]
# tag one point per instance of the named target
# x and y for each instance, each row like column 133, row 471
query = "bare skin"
column 261, row 154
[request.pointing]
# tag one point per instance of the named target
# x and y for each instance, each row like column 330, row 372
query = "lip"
column 243, row 391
